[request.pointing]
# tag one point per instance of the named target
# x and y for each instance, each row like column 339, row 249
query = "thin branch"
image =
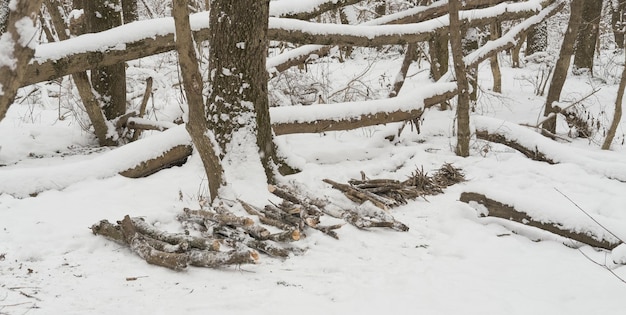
column 588, row 215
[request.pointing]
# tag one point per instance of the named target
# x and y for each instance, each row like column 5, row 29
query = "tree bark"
column 409, row 56
column 19, row 42
column 197, row 125
column 108, row 81
column 155, row 43
column 238, row 106
column 504, row 211
column 537, row 39
column 129, row 10
column 493, row 61
column 462, row 112
column 562, row 65
column 439, row 54
column 588, row 33
column 618, row 8
column 617, row 115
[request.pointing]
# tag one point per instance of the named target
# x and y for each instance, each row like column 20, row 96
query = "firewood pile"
column 388, row 193
column 219, row 237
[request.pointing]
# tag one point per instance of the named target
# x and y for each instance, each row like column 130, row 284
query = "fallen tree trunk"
column 54, row 60
column 540, row 148
column 504, row 211
column 346, row 116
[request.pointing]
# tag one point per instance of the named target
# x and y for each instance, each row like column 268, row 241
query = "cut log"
column 175, row 238
column 504, row 211
column 139, row 245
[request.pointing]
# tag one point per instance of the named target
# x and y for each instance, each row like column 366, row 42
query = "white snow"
column 451, row 261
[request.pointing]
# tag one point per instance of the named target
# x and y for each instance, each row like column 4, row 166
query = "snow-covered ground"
column 451, row 261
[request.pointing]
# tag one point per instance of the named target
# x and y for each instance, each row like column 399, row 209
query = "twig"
column 588, row 215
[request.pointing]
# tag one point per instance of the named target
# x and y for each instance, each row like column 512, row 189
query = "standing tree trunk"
column 108, row 81
column 462, row 111
column 562, row 66
column 495, row 31
column 381, row 8
column 537, row 39
column 617, row 116
column 233, row 128
column 618, row 8
column 470, row 44
column 192, row 81
column 18, row 42
column 588, row 33
column 439, row 54
column 129, row 10
column 238, row 106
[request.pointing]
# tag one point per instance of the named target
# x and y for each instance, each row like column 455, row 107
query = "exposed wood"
column 504, row 211
column 174, row 156
column 139, row 245
column 221, row 218
column 201, row 243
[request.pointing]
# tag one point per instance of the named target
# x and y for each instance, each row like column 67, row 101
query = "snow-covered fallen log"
column 493, row 208
column 149, row 37
column 24, row 182
column 540, row 148
column 351, row 115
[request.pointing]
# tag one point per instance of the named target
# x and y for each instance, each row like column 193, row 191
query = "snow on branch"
column 22, row 182
column 344, row 116
column 532, row 144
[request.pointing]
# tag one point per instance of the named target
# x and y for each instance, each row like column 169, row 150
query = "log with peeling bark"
column 174, row 251
column 507, row 212
column 531, row 153
column 175, row 156
column 138, row 244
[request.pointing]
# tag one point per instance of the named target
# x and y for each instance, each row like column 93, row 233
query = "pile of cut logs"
column 208, row 232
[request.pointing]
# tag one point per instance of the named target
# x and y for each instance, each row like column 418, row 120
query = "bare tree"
column 562, row 67
column 462, row 111
column 618, row 9
column 108, row 81
column 236, row 113
column 588, row 33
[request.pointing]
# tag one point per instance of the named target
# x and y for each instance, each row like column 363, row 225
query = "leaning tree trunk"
column 18, row 42
column 462, row 111
column 108, row 81
column 588, row 33
column 562, row 67
column 617, row 116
